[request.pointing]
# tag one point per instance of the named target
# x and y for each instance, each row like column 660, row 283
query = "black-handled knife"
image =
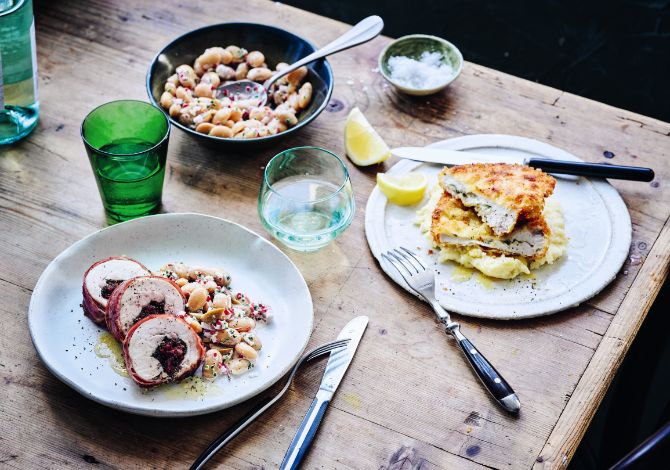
column 594, row 170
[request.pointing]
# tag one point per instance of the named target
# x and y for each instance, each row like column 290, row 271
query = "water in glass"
column 306, row 214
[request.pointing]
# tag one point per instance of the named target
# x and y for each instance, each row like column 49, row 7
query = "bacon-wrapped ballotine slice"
column 161, row 348
column 140, row 297
column 102, row 278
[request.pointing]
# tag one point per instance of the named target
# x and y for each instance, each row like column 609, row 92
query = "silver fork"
column 259, row 409
column 422, row 281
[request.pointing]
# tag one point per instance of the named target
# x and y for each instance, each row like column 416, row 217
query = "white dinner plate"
column 65, row 339
column 597, row 224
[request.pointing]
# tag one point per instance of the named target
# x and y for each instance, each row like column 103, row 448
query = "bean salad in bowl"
column 186, row 76
column 191, row 95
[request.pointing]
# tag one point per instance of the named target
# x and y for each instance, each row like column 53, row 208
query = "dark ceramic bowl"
column 276, row 44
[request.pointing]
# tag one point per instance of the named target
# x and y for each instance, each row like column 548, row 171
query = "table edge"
column 560, row 93
column 578, row 412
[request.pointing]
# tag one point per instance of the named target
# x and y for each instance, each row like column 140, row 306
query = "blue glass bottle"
column 19, row 105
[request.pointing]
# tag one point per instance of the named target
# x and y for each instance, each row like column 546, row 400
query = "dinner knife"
column 454, row 157
column 337, row 365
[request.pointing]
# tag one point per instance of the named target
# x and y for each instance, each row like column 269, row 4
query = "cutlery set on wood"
column 597, row 232
column 342, row 352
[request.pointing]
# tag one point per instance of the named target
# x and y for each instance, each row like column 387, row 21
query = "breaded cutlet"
column 455, row 224
column 500, row 193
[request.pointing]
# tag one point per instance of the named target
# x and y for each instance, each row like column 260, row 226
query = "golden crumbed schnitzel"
column 500, row 193
column 455, row 224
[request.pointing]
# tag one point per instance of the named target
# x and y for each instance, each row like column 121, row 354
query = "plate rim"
column 157, row 412
column 609, row 195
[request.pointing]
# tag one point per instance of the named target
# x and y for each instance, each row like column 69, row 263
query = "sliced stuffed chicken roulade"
column 102, row 278
column 140, row 297
column 161, row 348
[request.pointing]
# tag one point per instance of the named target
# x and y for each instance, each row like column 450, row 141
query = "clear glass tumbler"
column 19, row 106
column 306, row 199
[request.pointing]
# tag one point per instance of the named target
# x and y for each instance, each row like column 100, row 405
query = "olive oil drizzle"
column 191, row 388
column 107, row 347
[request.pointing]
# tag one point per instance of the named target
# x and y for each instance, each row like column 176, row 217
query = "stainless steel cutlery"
column 337, row 365
column 422, row 281
column 341, row 352
column 455, row 157
column 259, row 409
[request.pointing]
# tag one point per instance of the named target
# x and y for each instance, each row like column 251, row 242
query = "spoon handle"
column 363, row 31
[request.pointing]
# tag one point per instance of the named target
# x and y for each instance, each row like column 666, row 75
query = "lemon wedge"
column 362, row 143
column 403, row 190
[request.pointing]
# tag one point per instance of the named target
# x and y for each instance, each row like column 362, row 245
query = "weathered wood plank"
column 32, row 397
column 590, row 390
column 409, row 400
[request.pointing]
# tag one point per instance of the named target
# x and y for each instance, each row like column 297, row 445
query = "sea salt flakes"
column 427, row 72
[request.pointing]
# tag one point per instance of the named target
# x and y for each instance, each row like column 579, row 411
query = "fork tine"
column 396, row 267
column 336, row 344
column 316, row 353
column 327, row 348
column 416, row 258
column 392, row 263
column 396, row 262
column 400, row 256
column 324, row 350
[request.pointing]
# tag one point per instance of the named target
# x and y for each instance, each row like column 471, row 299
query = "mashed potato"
column 494, row 265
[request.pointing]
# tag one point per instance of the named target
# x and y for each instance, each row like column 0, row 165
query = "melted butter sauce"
column 485, row 281
column 461, row 274
column 191, row 387
column 107, row 347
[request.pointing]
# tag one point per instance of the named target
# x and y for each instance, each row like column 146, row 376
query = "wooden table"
column 409, row 400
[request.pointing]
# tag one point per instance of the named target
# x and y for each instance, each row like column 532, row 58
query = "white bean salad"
column 189, row 95
column 224, row 320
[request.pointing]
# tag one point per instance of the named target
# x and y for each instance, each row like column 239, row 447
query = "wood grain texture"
column 409, row 400
column 591, row 388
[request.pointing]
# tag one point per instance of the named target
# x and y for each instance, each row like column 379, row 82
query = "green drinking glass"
column 127, row 142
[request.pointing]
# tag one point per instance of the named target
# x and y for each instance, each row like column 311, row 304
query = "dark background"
column 617, row 52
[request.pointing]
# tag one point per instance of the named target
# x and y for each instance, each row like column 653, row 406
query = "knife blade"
column 454, row 157
column 338, row 363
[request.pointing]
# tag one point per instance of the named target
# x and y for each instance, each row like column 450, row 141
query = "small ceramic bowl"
column 413, row 46
column 277, row 44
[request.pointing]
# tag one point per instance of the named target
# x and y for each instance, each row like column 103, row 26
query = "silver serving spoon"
column 243, row 90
